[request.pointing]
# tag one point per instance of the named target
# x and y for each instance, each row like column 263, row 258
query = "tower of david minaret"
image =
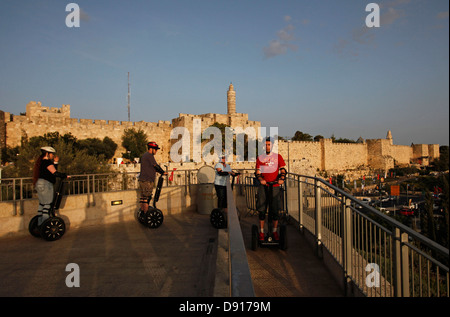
column 231, row 100
column 390, row 138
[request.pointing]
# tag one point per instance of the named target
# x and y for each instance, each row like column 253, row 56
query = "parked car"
column 406, row 212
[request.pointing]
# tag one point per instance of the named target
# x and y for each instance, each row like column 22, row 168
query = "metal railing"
column 378, row 254
column 15, row 189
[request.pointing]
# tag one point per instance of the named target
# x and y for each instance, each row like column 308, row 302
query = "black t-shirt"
column 148, row 172
column 45, row 173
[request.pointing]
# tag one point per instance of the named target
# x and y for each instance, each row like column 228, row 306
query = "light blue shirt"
column 222, row 180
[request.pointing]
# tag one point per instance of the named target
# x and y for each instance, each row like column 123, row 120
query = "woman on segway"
column 44, row 178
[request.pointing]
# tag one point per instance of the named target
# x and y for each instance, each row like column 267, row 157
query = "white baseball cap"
column 48, row 149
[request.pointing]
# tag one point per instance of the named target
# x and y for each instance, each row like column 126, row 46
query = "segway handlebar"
column 271, row 183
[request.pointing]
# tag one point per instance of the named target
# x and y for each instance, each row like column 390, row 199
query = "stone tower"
column 231, row 100
column 389, row 137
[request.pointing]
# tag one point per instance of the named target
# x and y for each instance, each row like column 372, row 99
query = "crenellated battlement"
column 35, row 109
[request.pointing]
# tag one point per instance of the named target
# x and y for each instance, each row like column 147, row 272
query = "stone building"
column 304, row 157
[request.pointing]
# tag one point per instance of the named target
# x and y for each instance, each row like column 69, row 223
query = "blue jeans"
column 45, row 194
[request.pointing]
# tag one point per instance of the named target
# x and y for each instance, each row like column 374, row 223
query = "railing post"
column 14, row 211
column 186, row 185
column 300, row 204
column 21, row 211
column 397, row 278
column 347, row 242
column 401, row 264
column 88, row 185
column 405, row 265
column 318, row 218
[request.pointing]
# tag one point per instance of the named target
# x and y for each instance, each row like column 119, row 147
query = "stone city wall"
column 303, row 157
column 402, row 154
column 343, row 156
column 25, row 126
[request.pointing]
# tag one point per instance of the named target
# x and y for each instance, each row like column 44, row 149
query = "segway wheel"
column 254, row 237
column 33, row 227
column 155, row 218
column 218, row 219
column 53, row 229
column 283, row 237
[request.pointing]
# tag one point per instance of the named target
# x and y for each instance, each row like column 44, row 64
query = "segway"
column 269, row 240
column 54, row 227
column 154, row 217
column 218, row 217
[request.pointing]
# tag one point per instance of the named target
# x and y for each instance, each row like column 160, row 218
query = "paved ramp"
column 295, row 272
column 179, row 259
column 121, row 259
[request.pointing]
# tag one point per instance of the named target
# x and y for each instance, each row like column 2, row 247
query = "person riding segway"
column 45, row 175
column 223, row 171
column 271, row 173
column 147, row 215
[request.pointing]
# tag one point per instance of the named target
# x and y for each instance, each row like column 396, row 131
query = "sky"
column 309, row 66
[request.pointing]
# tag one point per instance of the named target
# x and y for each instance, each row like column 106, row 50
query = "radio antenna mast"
column 128, row 96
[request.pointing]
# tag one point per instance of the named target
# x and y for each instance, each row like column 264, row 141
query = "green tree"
column 343, row 140
column 97, row 147
column 428, row 225
column 134, row 142
column 318, row 137
column 442, row 163
column 300, row 136
column 443, row 231
column 73, row 159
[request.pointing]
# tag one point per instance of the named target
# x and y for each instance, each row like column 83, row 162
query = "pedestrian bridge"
column 334, row 248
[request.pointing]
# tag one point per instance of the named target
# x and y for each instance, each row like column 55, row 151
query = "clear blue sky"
column 311, row 66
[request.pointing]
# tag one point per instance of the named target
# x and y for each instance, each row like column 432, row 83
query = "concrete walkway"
column 179, row 259
column 120, row 259
column 296, row 272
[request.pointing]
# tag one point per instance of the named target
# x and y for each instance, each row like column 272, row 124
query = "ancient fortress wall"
column 433, row 150
column 302, row 157
column 379, row 154
column 343, row 156
column 305, row 157
column 402, row 154
column 37, row 123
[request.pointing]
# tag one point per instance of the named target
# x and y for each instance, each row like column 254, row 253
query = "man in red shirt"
column 270, row 167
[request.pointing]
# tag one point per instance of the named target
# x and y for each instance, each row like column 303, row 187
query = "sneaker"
column 261, row 236
column 276, row 237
